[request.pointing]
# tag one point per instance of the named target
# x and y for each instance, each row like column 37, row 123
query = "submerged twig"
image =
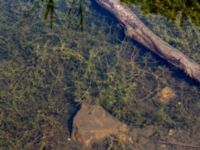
column 180, row 144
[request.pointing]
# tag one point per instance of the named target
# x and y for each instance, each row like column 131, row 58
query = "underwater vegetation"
column 175, row 10
column 45, row 73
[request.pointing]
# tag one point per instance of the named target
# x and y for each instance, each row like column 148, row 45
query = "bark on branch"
column 142, row 34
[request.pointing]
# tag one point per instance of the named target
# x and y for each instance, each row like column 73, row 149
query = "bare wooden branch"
column 142, row 34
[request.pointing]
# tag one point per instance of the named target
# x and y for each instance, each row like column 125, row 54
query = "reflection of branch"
column 80, row 13
column 180, row 144
column 78, row 9
column 50, row 10
column 70, row 8
column 76, row 5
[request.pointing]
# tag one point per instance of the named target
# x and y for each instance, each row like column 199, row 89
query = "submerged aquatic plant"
column 175, row 10
column 44, row 72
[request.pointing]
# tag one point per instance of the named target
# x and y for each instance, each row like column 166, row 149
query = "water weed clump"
column 45, row 71
column 175, row 10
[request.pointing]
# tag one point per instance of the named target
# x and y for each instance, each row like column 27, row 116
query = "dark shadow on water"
column 74, row 107
column 103, row 12
column 179, row 74
column 111, row 20
column 176, row 73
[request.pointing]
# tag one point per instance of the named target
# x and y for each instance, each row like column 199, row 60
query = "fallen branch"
column 139, row 32
column 181, row 144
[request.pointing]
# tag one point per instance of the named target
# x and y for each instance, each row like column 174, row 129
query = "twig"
column 180, row 144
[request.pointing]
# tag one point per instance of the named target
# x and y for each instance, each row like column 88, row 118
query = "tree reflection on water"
column 75, row 8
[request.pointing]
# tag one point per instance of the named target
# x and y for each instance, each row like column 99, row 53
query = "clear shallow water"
column 46, row 72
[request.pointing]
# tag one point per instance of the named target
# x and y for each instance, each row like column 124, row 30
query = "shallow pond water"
column 52, row 62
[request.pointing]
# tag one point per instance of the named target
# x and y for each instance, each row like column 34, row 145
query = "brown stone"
column 165, row 95
column 93, row 123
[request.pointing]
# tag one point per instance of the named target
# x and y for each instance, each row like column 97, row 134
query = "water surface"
column 54, row 57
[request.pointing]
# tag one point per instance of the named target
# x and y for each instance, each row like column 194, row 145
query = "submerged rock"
column 165, row 95
column 93, row 123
